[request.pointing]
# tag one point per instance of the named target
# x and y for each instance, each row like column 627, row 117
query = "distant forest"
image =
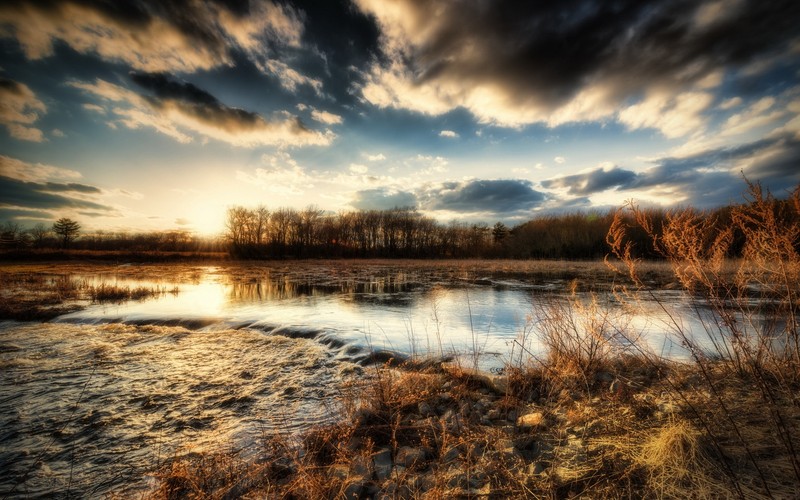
column 405, row 233
column 286, row 233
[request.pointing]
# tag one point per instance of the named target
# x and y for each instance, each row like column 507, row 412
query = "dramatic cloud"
column 32, row 191
column 482, row 196
column 150, row 35
column 594, row 181
column 19, row 109
column 176, row 108
column 706, row 179
column 646, row 63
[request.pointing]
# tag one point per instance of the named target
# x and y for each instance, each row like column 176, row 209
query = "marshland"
column 359, row 378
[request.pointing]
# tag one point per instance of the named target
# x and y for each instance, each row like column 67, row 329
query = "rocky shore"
column 447, row 431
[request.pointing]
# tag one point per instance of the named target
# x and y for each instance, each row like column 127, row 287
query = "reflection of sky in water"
column 392, row 313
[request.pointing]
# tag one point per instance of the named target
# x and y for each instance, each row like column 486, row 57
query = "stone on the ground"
column 425, row 409
column 530, row 420
column 382, row 464
column 410, row 457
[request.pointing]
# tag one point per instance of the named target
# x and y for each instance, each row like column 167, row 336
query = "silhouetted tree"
column 39, row 233
column 499, row 232
column 67, row 230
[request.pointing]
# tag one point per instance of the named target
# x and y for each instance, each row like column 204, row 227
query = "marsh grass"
column 41, row 296
column 113, row 293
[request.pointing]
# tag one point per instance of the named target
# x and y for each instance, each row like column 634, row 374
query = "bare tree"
column 39, row 233
column 67, row 230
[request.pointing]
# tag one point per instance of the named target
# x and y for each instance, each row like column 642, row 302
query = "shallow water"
column 94, row 400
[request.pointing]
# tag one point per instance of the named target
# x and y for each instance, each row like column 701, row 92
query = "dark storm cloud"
column 709, row 178
column 383, row 199
column 592, row 182
column 542, row 54
column 495, row 196
column 174, row 107
column 10, row 86
column 344, row 37
column 197, row 102
column 8, row 214
column 43, row 196
column 165, row 87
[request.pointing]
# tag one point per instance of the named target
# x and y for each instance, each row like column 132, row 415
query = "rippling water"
column 94, row 400
column 91, row 408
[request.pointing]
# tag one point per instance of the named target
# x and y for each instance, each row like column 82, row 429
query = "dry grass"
column 752, row 331
column 30, row 295
column 114, row 293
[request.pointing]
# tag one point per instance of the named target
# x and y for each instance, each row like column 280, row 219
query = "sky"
column 151, row 115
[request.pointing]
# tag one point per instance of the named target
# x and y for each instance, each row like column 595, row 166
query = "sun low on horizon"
column 151, row 116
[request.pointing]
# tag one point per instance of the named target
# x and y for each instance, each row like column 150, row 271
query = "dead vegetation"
column 30, row 296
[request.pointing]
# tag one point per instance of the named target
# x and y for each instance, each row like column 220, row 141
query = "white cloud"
column 281, row 174
column 560, row 160
column 19, row 110
column 448, row 133
column 358, row 168
column 674, row 116
column 326, row 117
column 730, row 103
column 152, row 42
column 758, row 114
column 289, row 77
column 377, row 157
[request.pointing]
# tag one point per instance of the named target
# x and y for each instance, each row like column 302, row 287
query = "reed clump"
column 113, row 293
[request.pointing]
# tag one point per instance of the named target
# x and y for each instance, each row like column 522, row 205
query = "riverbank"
column 631, row 428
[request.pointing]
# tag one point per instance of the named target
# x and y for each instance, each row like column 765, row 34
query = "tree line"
column 66, row 233
column 405, row 233
column 287, row 233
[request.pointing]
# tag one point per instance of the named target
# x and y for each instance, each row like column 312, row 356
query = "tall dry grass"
column 748, row 356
